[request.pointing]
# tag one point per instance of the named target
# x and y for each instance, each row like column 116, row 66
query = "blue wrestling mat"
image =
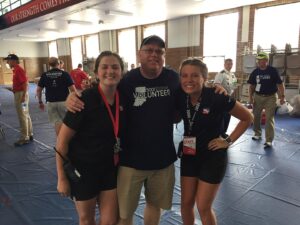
column 261, row 187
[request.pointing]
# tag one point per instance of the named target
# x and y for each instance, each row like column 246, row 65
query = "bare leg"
column 188, row 198
column 108, row 207
column 86, row 211
column 57, row 128
column 206, row 194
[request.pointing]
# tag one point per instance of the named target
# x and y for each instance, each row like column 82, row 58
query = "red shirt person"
column 78, row 76
column 21, row 97
column 19, row 79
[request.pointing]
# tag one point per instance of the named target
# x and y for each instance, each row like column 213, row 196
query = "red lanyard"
column 115, row 121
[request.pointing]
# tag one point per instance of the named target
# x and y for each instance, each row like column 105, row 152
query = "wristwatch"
column 229, row 141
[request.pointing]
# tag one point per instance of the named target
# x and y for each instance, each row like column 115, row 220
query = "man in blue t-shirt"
column 58, row 84
column 148, row 149
column 264, row 83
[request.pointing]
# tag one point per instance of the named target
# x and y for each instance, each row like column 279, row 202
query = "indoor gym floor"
column 261, row 187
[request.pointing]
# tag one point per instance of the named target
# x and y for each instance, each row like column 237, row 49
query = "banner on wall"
column 33, row 9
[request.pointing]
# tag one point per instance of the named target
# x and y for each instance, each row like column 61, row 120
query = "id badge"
column 117, row 146
column 189, row 145
column 257, row 88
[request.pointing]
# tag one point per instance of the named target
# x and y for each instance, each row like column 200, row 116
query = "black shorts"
column 208, row 166
column 93, row 181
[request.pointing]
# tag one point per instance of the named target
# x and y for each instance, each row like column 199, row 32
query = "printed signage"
column 33, row 9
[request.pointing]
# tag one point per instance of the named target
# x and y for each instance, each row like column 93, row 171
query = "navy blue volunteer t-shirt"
column 266, row 81
column 150, row 105
column 56, row 82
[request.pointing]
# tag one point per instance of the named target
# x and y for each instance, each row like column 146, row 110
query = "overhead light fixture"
column 118, row 13
column 80, row 22
column 100, row 22
column 48, row 29
column 27, row 35
column 10, row 39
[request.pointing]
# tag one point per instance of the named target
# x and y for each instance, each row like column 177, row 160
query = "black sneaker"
column 21, row 142
column 268, row 145
column 256, row 138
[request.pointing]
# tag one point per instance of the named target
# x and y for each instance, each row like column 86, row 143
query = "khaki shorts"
column 56, row 112
column 158, row 184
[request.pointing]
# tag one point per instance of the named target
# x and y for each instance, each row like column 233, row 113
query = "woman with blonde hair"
column 203, row 150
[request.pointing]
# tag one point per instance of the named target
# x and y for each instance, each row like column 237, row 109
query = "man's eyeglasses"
column 150, row 51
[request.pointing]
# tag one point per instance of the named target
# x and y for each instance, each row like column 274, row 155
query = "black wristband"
column 228, row 140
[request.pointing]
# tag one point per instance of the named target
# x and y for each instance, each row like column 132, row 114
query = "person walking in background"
column 264, row 83
column 90, row 139
column 229, row 81
column 132, row 66
column 21, row 97
column 203, row 150
column 58, row 84
column 61, row 64
column 79, row 76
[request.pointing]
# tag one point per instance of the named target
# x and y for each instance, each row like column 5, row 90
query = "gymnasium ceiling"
column 100, row 15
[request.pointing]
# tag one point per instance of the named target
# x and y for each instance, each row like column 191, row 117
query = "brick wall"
column 174, row 56
column 34, row 67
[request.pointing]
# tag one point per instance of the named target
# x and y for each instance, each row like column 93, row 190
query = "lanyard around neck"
column 191, row 118
column 115, row 121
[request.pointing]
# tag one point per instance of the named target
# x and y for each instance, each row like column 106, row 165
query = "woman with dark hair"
column 90, row 141
column 203, row 150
